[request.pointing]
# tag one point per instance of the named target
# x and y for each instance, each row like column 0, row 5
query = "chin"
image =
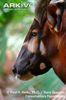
column 26, row 77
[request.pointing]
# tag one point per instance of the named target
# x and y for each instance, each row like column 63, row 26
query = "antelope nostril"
column 29, row 62
column 14, row 70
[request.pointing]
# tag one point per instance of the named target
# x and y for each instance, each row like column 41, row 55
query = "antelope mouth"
column 25, row 77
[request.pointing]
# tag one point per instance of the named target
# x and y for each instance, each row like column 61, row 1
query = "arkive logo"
column 17, row 5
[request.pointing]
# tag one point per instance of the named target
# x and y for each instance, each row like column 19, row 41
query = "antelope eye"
column 34, row 33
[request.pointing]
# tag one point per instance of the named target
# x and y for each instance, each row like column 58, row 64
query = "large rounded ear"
column 51, row 14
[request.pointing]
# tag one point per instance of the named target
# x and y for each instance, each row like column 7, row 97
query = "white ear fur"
column 58, row 11
column 56, row 1
column 42, row 48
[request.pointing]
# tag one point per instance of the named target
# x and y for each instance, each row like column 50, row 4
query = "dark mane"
column 41, row 10
column 40, row 16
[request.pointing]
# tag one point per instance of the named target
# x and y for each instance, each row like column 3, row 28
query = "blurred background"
column 14, row 25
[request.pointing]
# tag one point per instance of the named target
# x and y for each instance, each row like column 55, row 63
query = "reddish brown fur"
column 55, row 43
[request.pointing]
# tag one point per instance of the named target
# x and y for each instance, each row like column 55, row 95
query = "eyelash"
column 34, row 33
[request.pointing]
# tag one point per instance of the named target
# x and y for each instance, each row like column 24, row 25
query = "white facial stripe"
column 25, row 44
column 42, row 48
column 33, row 45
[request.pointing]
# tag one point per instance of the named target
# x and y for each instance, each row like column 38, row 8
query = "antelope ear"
column 42, row 66
column 50, row 19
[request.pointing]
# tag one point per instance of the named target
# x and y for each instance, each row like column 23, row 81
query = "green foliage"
column 3, row 41
column 48, row 82
column 7, row 16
